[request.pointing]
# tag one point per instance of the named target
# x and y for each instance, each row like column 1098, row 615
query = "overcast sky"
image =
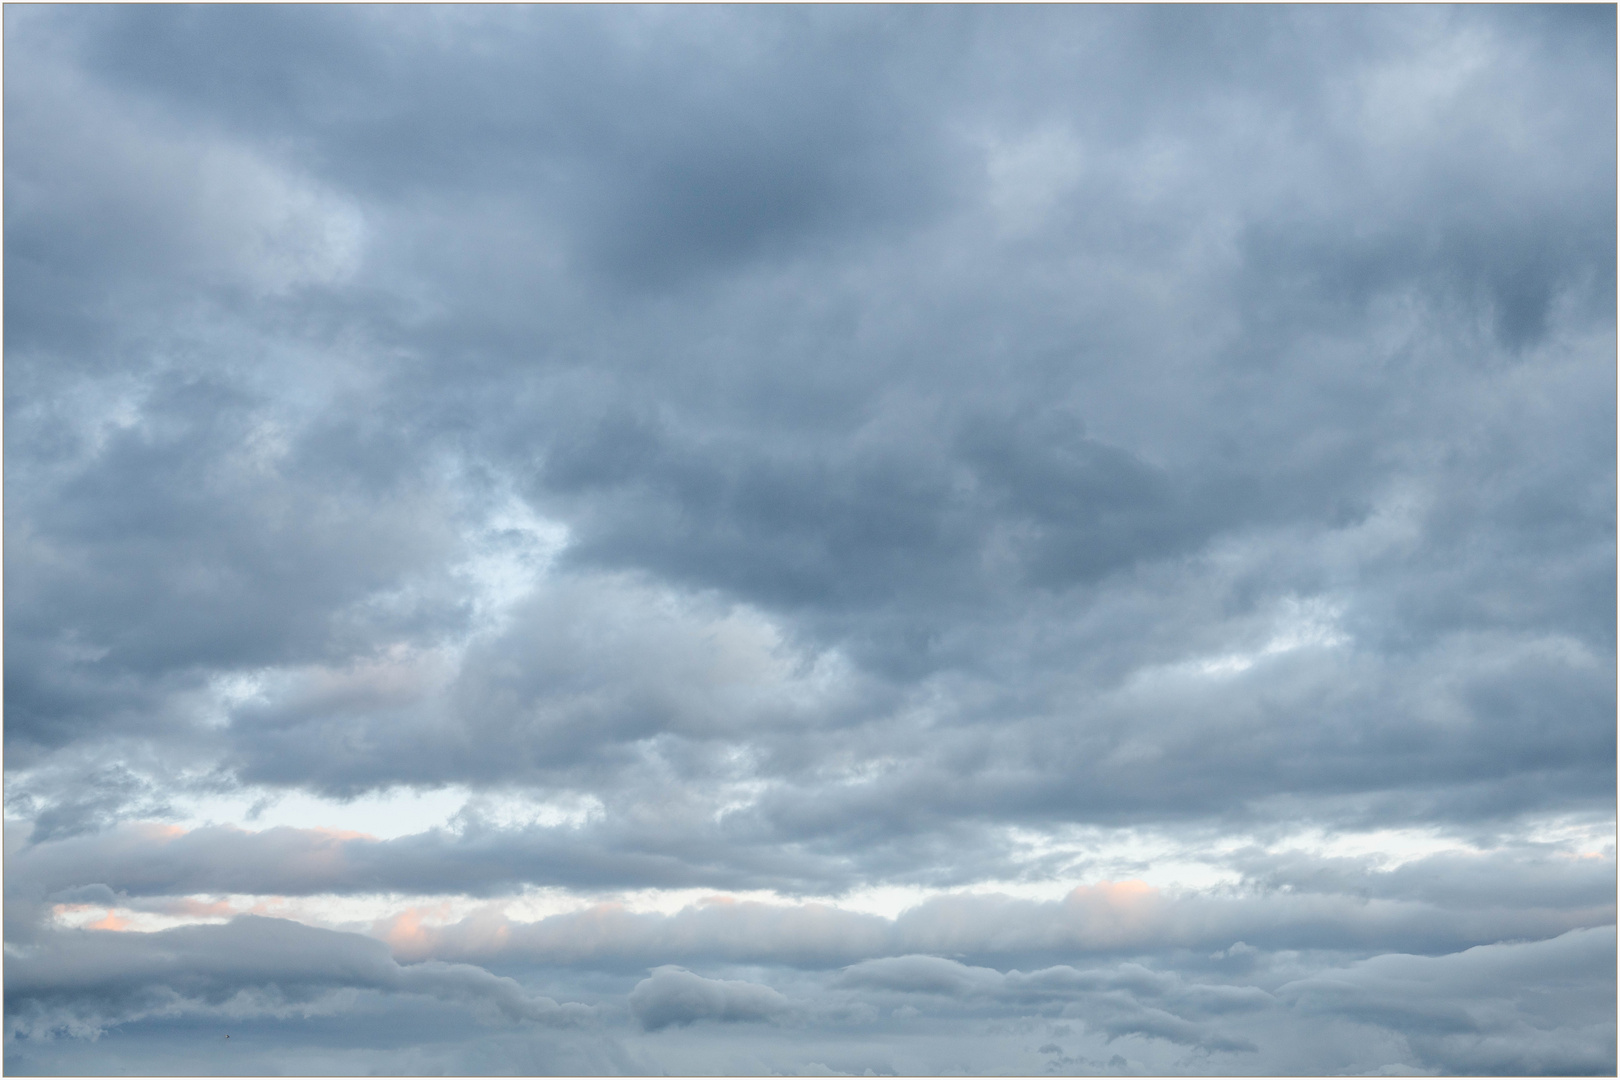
column 810, row 540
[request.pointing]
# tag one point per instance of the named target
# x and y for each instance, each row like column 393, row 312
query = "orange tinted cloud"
column 407, row 934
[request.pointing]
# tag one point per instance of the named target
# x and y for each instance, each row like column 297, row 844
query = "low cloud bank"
column 673, row 995
column 82, row 982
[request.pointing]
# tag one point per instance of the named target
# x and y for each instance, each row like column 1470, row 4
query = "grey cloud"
column 1112, row 1001
column 921, row 974
column 81, row 982
column 1470, row 1011
column 949, row 423
column 1106, row 919
column 1428, row 905
column 1459, row 882
column 672, row 995
column 113, row 794
column 874, row 527
column 574, row 710
column 197, row 558
column 657, row 175
column 1466, row 1011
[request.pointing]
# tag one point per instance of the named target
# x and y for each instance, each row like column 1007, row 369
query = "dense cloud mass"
column 810, row 540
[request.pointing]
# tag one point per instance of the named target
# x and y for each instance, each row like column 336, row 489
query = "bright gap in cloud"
column 386, row 815
column 1311, row 623
column 1141, row 859
column 508, row 554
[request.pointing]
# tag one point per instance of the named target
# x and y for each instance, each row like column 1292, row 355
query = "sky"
column 810, row 540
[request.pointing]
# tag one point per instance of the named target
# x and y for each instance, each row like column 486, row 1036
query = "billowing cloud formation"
column 1037, row 539
column 1117, row 1009
column 674, row 995
column 1471, row 1012
column 81, row 983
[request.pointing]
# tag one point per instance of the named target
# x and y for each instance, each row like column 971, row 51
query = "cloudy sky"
column 810, row 540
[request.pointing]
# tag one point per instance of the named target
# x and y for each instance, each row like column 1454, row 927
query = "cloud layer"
column 810, row 540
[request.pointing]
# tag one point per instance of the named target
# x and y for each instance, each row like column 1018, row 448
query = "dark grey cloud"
column 825, row 451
